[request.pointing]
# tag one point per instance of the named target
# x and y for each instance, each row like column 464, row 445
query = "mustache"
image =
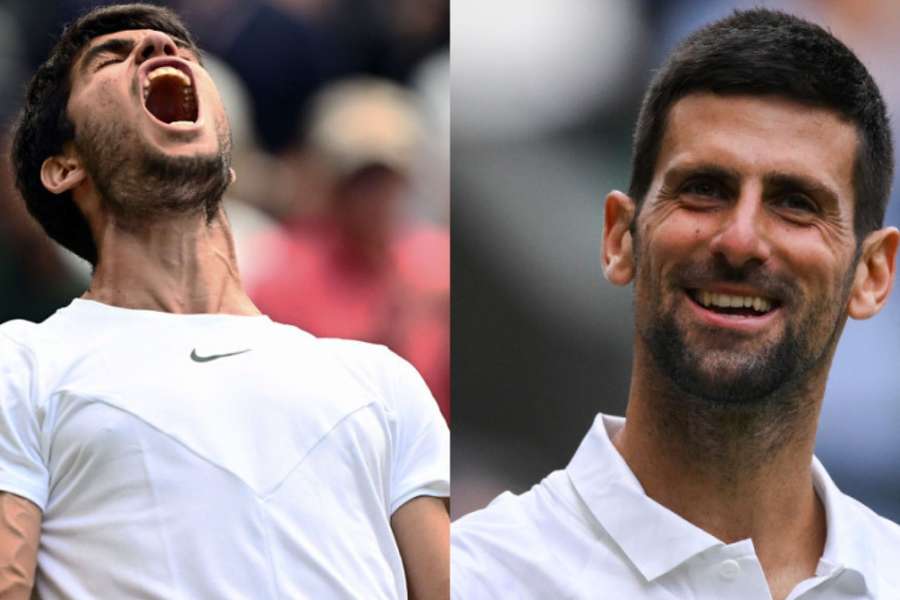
column 718, row 270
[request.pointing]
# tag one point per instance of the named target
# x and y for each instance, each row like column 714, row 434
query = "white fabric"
column 590, row 532
column 267, row 474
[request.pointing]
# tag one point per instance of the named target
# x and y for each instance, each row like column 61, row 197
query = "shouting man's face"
column 744, row 246
column 149, row 125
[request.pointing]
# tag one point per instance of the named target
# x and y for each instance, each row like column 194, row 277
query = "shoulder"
column 520, row 545
column 62, row 331
column 860, row 538
column 363, row 358
column 17, row 354
column 391, row 378
column 35, row 357
column 21, row 343
column 54, row 342
column 880, row 537
column 880, row 541
column 17, row 333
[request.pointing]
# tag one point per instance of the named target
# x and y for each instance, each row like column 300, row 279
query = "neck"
column 180, row 265
column 737, row 472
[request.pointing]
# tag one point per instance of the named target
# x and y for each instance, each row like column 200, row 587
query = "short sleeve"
column 22, row 468
column 421, row 461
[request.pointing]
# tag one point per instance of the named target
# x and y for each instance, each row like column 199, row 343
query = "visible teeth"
column 757, row 303
column 168, row 71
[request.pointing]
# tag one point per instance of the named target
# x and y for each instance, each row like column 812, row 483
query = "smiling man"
column 752, row 229
column 159, row 438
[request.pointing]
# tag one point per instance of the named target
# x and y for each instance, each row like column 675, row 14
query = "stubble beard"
column 138, row 183
column 732, row 409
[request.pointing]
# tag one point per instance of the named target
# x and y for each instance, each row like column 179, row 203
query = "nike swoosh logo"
column 202, row 359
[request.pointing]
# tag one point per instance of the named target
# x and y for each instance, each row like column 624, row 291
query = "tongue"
column 166, row 101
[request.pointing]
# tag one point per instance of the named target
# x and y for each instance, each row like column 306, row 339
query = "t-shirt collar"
column 656, row 540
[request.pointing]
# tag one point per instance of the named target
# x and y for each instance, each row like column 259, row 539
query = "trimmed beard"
column 774, row 371
column 137, row 183
column 734, row 419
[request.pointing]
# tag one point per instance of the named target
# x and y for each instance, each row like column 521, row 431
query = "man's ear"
column 618, row 253
column 62, row 173
column 232, row 176
column 875, row 272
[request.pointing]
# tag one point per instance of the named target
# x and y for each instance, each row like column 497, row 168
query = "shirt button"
column 729, row 569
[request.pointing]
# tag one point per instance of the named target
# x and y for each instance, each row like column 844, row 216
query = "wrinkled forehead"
column 127, row 38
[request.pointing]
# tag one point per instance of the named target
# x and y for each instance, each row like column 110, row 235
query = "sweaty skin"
column 183, row 262
column 20, row 528
column 741, row 468
column 174, row 261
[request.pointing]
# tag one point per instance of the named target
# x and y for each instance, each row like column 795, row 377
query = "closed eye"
column 110, row 51
column 110, row 61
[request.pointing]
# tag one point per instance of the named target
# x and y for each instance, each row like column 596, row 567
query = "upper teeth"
column 164, row 72
column 728, row 301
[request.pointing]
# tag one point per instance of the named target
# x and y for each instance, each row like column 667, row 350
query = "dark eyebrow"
column 120, row 46
column 123, row 46
column 679, row 173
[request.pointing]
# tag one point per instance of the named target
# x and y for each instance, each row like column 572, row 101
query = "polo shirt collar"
column 656, row 540
column 848, row 526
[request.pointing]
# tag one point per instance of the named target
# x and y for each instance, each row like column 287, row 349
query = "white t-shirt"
column 212, row 456
column 590, row 532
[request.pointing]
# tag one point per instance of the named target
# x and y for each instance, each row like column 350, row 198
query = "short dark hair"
column 44, row 126
column 766, row 52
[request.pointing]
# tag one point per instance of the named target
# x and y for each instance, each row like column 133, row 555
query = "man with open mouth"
column 752, row 229
column 159, row 437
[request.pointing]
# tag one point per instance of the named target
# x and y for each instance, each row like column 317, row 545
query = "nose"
column 155, row 43
column 742, row 238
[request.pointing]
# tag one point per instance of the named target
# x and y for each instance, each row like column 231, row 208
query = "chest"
column 255, row 412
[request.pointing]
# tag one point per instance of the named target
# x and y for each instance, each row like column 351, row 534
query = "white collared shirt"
column 590, row 531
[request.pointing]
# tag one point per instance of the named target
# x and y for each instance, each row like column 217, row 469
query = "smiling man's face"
column 148, row 117
column 745, row 244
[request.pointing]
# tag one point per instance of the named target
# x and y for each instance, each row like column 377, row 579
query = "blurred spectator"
column 356, row 265
column 285, row 50
column 274, row 56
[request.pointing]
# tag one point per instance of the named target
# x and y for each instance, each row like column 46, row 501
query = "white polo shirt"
column 589, row 531
column 212, row 456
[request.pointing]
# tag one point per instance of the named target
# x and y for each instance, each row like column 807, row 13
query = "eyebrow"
column 703, row 170
column 778, row 180
column 123, row 46
column 120, row 46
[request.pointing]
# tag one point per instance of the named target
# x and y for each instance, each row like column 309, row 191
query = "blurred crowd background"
column 342, row 123
column 340, row 115
column 544, row 98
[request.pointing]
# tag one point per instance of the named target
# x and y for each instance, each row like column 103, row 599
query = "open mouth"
column 732, row 304
column 169, row 95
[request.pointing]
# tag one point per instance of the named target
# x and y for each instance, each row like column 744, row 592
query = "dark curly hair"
column 44, row 125
column 763, row 52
